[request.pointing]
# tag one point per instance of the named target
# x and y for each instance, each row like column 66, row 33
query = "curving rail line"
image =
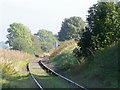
column 47, row 68
column 53, row 72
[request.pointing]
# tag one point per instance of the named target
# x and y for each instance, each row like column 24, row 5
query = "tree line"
column 101, row 30
column 20, row 37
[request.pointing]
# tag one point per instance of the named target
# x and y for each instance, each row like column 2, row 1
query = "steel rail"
column 34, row 78
column 42, row 64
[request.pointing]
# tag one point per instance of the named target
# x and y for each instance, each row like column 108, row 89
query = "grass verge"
column 14, row 73
column 65, row 60
column 101, row 71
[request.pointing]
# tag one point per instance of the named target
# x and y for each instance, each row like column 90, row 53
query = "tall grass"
column 14, row 58
column 13, row 64
column 58, row 50
column 64, row 59
column 14, row 54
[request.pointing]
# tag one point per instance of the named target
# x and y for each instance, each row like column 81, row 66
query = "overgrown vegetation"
column 98, row 49
column 14, row 71
column 94, row 59
column 64, row 60
column 103, row 29
column 101, row 70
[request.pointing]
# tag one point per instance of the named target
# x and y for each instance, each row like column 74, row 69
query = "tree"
column 71, row 28
column 103, row 28
column 46, row 38
column 19, row 38
column 36, row 45
column 85, row 48
column 104, row 24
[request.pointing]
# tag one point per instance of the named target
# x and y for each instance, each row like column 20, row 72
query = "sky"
column 40, row 14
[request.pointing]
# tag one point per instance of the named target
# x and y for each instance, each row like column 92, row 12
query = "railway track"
column 35, row 80
column 50, row 71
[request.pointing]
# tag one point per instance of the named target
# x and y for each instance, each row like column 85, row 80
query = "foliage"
column 63, row 58
column 103, row 29
column 84, row 43
column 58, row 50
column 36, row 45
column 46, row 38
column 14, row 73
column 104, row 22
column 71, row 28
column 102, row 70
column 14, row 58
column 20, row 38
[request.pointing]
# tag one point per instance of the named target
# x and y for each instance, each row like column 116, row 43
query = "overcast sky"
column 40, row 14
